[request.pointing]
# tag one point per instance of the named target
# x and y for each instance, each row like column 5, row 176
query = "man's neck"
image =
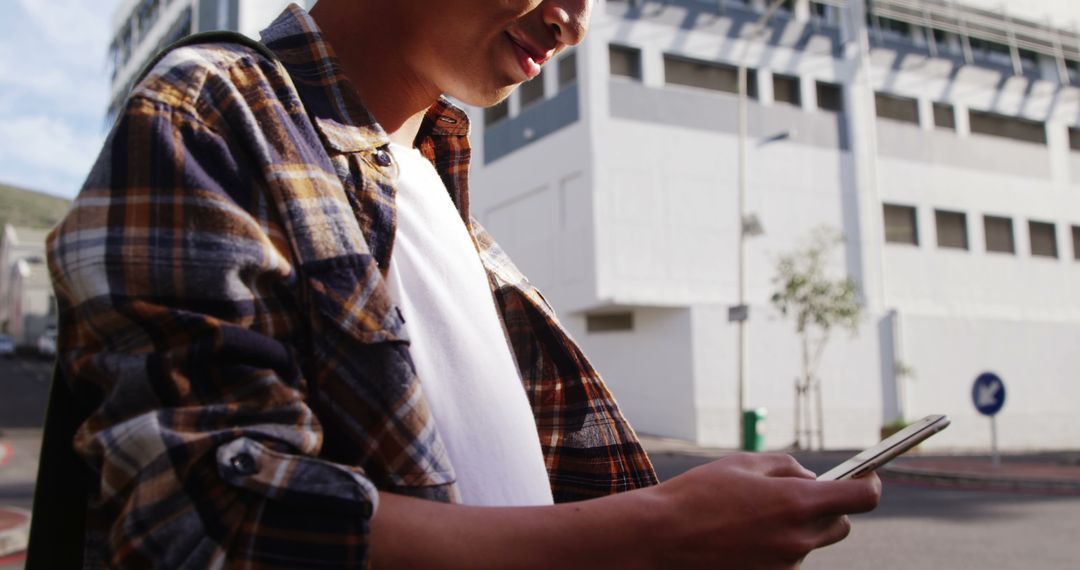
column 395, row 96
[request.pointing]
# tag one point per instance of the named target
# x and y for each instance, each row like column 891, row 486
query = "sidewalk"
column 18, row 470
column 1051, row 472
column 1044, row 472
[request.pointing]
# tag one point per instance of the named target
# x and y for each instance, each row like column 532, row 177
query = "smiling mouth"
column 530, row 59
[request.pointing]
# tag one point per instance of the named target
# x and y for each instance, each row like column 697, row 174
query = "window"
column 1029, row 60
column 786, row 89
column 625, row 61
column 819, row 10
column 567, row 68
column 901, row 225
column 999, row 234
column 707, row 75
column 941, row 38
column 1043, row 240
column 944, row 116
column 829, row 97
column 598, row 323
column 896, row 108
column 894, row 28
column 992, row 51
column 951, row 229
column 1008, row 127
column 496, row 113
column 1076, row 242
column 1074, row 138
column 532, row 90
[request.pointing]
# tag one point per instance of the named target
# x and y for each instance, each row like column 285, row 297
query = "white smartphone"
column 889, row 448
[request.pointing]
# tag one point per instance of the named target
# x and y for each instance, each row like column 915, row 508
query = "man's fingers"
column 848, row 496
column 833, row 530
column 779, row 465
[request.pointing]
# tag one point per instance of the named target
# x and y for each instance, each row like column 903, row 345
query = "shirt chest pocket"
column 348, row 295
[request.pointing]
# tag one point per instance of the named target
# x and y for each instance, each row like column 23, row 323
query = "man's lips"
column 530, row 58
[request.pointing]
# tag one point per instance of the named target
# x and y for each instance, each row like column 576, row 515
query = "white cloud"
column 70, row 23
column 54, row 89
column 49, row 146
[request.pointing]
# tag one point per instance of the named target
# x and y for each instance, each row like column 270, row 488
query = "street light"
column 741, row 312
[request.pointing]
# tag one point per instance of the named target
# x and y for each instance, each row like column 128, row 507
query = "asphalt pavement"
column 937, row 512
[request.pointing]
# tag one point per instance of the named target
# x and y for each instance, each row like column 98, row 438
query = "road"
column 915, row 528
column 24, row 391
column 918, row 528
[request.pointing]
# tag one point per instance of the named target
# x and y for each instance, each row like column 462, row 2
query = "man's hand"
column 743, row 512
column 755, row 511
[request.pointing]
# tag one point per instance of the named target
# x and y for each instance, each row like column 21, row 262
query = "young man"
column 299, row 336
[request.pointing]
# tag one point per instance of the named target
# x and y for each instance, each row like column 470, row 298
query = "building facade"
column 941, row 138
column 142, row 27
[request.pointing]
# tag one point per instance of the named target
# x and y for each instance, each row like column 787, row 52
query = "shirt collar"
column 331, row 101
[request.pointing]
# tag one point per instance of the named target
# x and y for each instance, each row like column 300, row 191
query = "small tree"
column 818, row 305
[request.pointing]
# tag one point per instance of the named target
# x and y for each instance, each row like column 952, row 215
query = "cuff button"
column 244, row 464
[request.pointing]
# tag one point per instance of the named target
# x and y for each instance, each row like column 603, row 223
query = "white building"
column 142, row 27
column 942, row 138
column 27, row 304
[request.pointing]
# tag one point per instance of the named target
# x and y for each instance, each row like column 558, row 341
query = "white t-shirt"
column 462, row 358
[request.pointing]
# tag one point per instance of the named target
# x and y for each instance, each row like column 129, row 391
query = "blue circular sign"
column 988, row 393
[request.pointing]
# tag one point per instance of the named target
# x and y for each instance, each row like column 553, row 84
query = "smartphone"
column 890, row 448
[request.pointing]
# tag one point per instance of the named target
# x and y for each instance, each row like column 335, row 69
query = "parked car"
column 7, row 348
column 46, row 343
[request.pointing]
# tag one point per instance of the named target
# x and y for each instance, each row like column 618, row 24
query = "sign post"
column 988, row 393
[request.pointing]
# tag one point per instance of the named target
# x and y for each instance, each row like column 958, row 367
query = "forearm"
column 610, row 532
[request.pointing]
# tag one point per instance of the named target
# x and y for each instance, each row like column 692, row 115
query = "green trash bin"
column 753, row 422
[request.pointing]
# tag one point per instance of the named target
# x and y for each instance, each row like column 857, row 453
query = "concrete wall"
column 257, row 14
column 1037, row 360
column 649, row 369
column 850, row 373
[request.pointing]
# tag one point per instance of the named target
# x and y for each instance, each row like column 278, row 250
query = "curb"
column 900, row 473
column 14, row 530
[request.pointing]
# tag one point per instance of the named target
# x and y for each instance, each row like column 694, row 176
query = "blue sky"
column 54, row 88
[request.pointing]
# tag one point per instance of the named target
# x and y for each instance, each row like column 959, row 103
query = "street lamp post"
column 742, row 312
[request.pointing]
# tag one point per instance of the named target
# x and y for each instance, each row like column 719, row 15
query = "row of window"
column 901, row 226
column 139, row 22
column 180, row 28
column 625, row 62
column 532, row 91
column 974, row 51
column 906, row 110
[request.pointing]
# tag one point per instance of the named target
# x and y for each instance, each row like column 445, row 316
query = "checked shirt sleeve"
column 176, row 306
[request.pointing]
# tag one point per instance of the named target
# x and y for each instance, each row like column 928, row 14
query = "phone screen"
column 887, row 450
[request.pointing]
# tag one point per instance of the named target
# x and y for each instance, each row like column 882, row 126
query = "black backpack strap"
column 214, row 37
column 65, row 482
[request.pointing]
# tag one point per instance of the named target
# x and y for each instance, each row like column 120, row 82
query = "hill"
column 30, row 209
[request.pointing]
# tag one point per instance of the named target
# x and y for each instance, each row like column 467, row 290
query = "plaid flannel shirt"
column 221, row 285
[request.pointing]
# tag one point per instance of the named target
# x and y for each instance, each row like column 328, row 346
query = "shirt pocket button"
column 383, row 158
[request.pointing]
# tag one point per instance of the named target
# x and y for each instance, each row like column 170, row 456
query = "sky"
column 54, row 87
column 54, row 90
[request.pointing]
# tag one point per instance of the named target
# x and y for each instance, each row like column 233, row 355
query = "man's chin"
column 485, row 98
